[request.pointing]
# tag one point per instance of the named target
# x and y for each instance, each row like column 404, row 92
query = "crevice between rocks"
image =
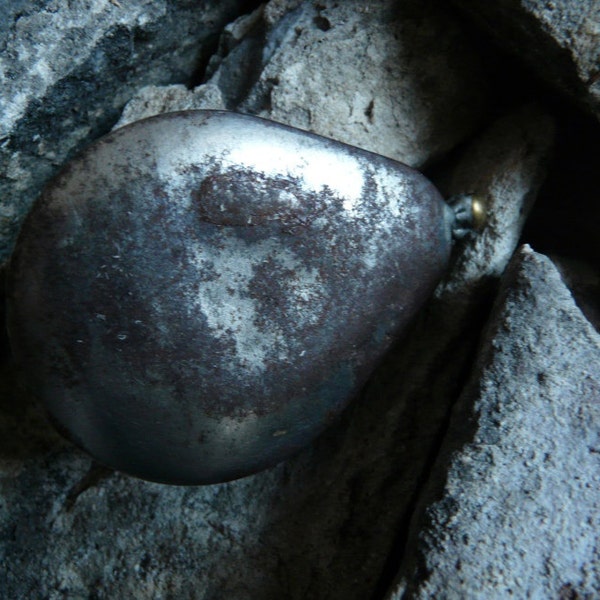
column 400, row 545
column 213, row 47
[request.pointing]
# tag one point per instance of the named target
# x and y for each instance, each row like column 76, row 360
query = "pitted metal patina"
column 199, row 294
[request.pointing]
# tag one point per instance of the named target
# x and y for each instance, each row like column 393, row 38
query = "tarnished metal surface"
column 199, row 294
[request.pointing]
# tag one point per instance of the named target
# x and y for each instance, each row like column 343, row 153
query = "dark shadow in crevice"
column 564, row 220
column 510, row 85
column 5, row 354
column 398, row 549
column 211, row 47
column 25, row 432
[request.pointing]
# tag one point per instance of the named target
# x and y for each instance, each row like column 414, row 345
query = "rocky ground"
column 469, row 465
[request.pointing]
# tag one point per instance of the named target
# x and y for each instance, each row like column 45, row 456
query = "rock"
column 301, row 67
column 559, row 40
column 332, row 522
column 384, row 77
column 68, row 68
column 583, row 280
column 519, row 510
column 155, row 100
column 504, row 169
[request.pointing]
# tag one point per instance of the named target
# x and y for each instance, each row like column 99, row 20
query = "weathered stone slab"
column 67, row 69
column 398, row 79
column 519, row 512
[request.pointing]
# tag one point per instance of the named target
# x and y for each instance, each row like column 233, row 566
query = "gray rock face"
column 512, row 436
column 393, row 97
column 67, row 69
column 559, row 40
column 519, row 514
column 154, row 100
column 411, row 68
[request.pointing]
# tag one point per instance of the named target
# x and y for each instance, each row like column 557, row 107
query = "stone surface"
column 67, row 69
column 583, row 280
column 342, row 517
column 298, row 64
column 411, row 67
column 559, row 40
column 519, row 513
column 154, row 100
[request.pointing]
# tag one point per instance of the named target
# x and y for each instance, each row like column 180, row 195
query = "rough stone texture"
column 341, row 518
column 559, row 40
column 384, row 77
column 155, row 100
column 519, row 514
column 498, row 190
column 583, row 280
column 411, row 68
column 67, row 69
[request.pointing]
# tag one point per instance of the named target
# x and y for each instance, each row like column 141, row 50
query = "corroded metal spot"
column 196, row 295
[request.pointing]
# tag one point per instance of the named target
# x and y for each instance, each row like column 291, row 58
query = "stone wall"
column 469, row 465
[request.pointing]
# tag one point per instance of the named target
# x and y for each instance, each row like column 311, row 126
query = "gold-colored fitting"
column 478, row 212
